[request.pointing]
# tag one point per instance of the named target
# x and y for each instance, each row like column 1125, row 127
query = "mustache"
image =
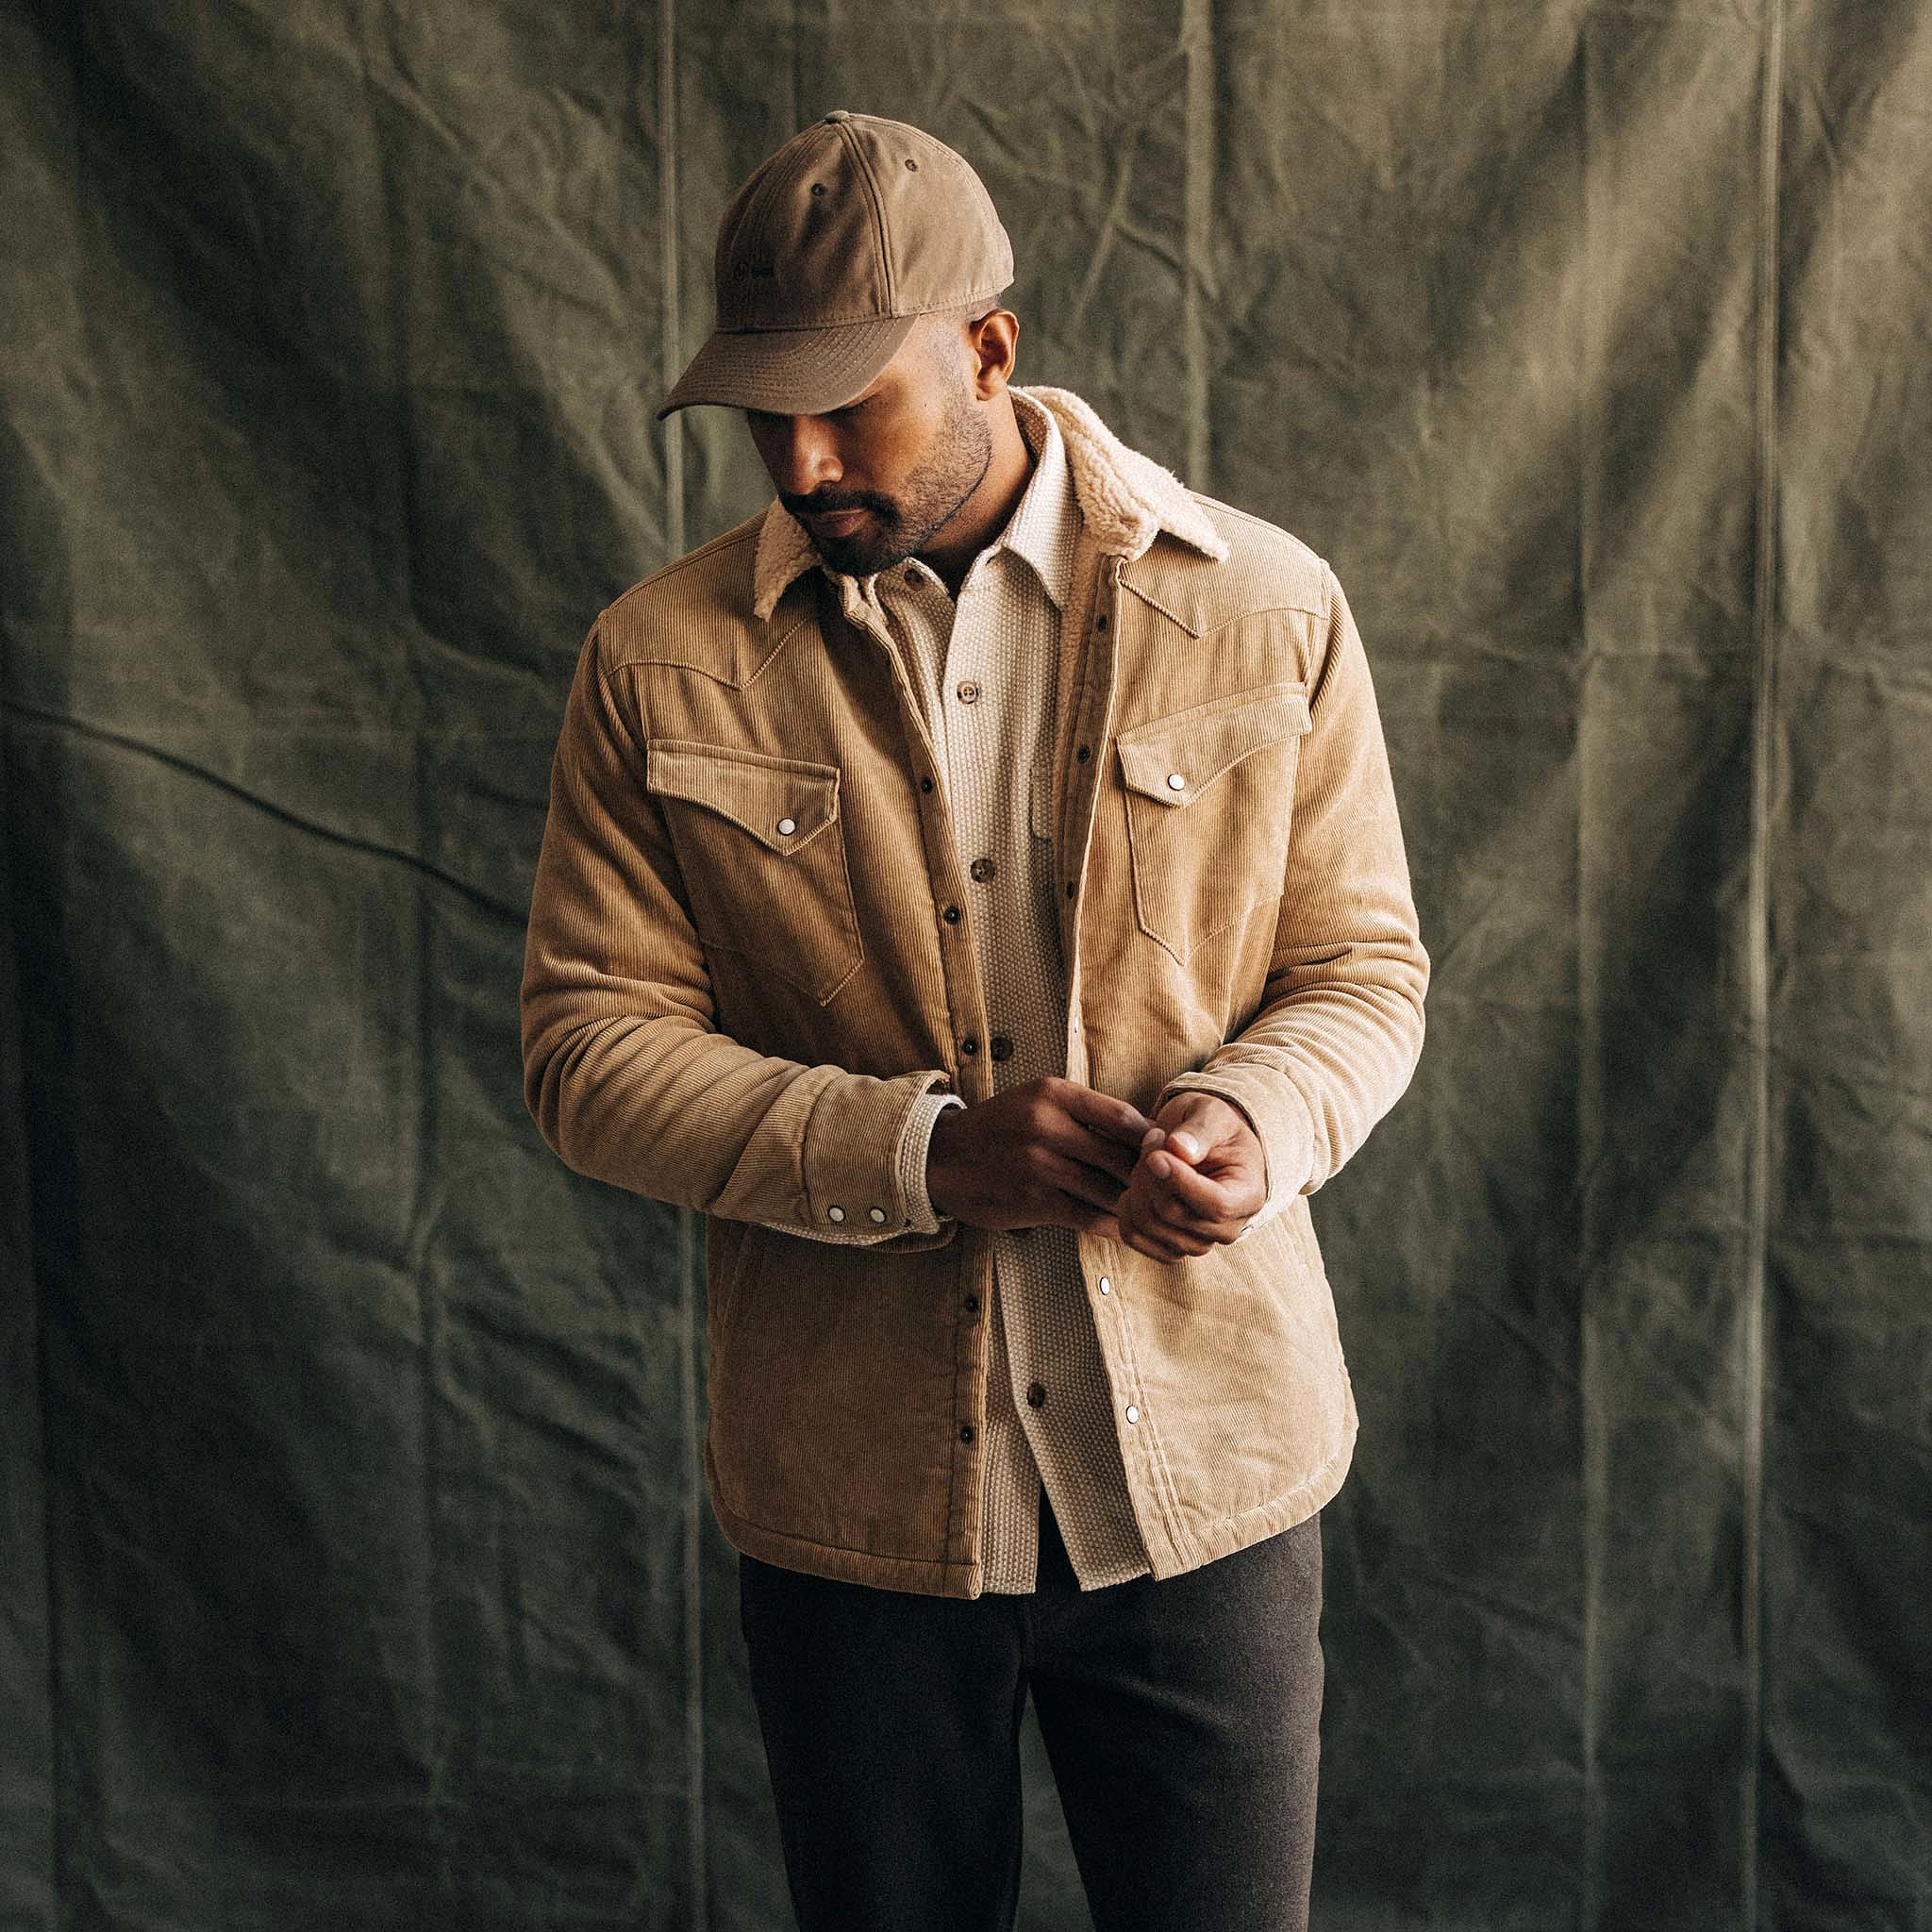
column 825, row 502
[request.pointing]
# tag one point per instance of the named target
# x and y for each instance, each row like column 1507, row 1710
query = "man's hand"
column 1050, row 1152
column 1200, row 1178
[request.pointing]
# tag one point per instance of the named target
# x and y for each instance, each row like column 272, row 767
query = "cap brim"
column 789, row 372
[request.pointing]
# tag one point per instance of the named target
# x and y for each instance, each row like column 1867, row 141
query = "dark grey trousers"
column 1181, row 1718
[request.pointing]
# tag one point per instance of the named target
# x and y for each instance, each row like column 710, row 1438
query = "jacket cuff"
column 1280, row 1120
column 913, row 1148
column 854, row 1157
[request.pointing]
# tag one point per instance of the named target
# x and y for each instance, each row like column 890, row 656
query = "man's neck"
column 949, row 553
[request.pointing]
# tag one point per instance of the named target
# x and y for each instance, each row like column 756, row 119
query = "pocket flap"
column 1176, row 757
column 783, row 802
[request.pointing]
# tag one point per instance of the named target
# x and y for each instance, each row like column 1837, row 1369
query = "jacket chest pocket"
column 1210, row 799
column 762, row 857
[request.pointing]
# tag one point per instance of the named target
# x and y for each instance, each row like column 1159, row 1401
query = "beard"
column 901, row 526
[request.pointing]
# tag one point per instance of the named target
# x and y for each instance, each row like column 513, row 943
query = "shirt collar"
column 1043, row 527
column 1042, row 530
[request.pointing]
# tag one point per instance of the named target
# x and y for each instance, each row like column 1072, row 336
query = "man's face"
column 897, row 461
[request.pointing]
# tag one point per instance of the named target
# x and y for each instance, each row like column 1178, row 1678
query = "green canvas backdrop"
column 357, row 1571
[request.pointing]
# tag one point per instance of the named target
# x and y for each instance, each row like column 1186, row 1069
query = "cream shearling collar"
column 1125, row 497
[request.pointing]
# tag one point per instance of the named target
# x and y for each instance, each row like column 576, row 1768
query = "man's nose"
column 805, row 457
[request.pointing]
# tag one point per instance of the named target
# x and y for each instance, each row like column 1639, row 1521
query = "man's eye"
column 853, row 408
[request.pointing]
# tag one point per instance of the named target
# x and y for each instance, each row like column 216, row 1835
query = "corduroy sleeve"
column 624, row 1070
column 1339, row 1028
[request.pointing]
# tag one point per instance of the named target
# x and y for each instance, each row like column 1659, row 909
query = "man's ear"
column 993, row 343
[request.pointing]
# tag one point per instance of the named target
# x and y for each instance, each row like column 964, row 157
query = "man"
column 974, row 883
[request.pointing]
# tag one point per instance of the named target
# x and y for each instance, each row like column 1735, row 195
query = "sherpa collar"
column 1125, row 498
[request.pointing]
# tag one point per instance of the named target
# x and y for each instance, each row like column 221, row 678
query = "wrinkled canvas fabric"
column 358, row 1567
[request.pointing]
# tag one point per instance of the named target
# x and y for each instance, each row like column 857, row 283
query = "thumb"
column 1184, row 1121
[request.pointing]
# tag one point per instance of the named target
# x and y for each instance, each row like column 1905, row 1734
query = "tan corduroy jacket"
column 750, row 950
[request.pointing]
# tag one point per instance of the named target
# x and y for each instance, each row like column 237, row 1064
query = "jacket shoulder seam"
column 743, row 533
column 626, row 611
column 1298, row 551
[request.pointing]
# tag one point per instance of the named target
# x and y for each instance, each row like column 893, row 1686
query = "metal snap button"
column 1105, row 1285
column 876, row 1213
column 788, row 826
column 835, row 1213
column 1132, row 1414
column 1175, row 782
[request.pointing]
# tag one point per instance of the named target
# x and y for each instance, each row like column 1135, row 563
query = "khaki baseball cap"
column 829, row 255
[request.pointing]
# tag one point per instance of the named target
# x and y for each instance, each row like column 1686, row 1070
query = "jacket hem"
column 957, row 1577
column 1227, row 1534
column 920, row 1575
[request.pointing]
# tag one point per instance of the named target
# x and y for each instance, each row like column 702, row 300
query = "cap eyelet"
column 912, row 164
column 818, row 187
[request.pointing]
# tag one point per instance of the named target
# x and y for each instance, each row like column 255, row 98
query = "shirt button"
column 966, row 691
column 1175, row 782
column 1036, row 1396
column 1002, row 1048
column 967, row 1432
column 1132, row 1414
column 969, row 1044
column 788, row 826
column 876, row 1213
column 982, row 868
column 1105, row 1285
column 835, row 1213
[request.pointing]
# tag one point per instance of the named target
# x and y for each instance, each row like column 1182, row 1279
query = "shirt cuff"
column 914, row 1148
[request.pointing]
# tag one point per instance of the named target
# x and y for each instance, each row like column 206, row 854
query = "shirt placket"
column 988, row 672
column 971, row 730
column 984, row 671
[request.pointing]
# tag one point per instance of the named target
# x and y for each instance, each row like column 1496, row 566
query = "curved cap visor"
column 789, row 372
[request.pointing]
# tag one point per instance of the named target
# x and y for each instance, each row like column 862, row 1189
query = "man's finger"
column 1108, row 1228
column 1101, row 1111
column 1191, row 1189
column 1173, row 1246
column 1078, row 1143
column 1082, row 1182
